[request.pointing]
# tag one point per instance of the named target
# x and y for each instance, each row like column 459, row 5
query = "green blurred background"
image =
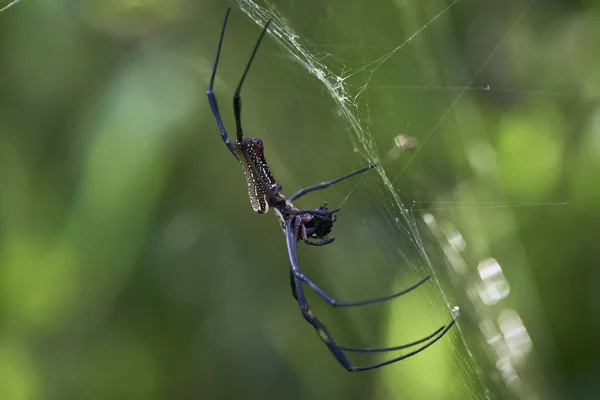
column 133, row 267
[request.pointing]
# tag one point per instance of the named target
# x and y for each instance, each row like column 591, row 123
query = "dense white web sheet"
column 505, row 343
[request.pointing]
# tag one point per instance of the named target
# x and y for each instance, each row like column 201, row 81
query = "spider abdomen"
column 258, row 175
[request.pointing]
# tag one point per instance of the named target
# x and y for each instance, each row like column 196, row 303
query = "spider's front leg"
column 212, row 100
column 237, row 100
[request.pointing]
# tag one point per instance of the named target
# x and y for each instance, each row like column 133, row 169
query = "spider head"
column 322, row 224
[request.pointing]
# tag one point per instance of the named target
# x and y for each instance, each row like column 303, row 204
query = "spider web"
column 494, row 344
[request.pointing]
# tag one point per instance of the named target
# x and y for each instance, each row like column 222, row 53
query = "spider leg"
column 314, row 212
column 392, row 348
column 211, row 96
column 336, row 350
column 309, row 233
column 323, row 185
column 336, row 303
column 298, row 227
column 319, row 243
column 237, row 100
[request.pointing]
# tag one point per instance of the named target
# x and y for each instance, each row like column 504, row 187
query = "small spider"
column 310, row 226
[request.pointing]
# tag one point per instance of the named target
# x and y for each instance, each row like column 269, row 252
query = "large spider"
column 310, row 226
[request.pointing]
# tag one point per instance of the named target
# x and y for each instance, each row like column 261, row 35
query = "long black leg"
column 392, row 348
column 319, row 327
column 237, row 100
column 338, row 351
column 293, row 284
column 409, row 354
column 336, row 303
column 211, row 96
column 323, row 185
column 367, row 349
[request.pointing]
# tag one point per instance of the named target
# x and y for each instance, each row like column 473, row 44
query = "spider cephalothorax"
column 300, row 224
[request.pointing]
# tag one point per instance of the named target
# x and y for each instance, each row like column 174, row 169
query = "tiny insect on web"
column 311, row 226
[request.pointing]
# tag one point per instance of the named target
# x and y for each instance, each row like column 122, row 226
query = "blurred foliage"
column 131, row 263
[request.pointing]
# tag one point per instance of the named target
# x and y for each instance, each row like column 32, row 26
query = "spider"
column 310, row 226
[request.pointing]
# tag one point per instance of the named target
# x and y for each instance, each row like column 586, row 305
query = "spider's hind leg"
column 335, row 303
column 338, row 351
column 292, row 229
